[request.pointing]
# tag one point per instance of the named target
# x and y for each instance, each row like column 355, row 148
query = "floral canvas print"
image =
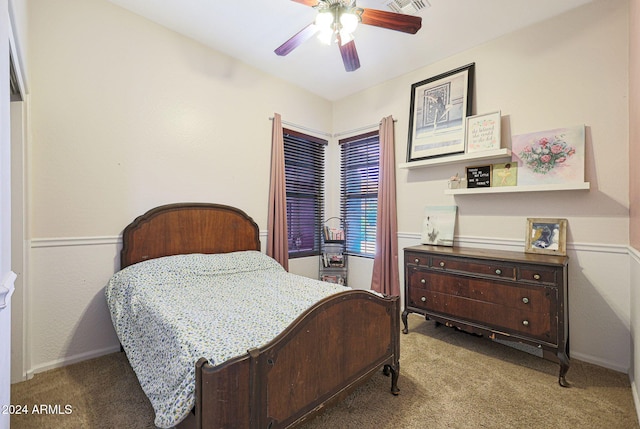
column 438, row 225
column 550, row 157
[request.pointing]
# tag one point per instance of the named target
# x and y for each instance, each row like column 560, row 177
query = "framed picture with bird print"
column 438, row 112
column 546, row 236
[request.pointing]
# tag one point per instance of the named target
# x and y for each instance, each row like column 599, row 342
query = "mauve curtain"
column 386, row 277
column 277, row 244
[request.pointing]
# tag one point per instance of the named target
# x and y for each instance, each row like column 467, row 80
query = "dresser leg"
column 404, row 321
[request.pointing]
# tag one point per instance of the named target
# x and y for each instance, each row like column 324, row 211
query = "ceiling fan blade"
column 307, row 2
column 301, row 36
column 391, row 20
column 349, row 55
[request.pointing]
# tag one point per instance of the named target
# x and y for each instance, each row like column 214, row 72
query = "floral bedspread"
column 169, row 312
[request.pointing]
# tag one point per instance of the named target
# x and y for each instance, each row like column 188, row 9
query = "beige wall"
column 569, row 70
column 566, row 71
column 127, row 115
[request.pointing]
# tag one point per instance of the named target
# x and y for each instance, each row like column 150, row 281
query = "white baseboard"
column 636, row 398
column 599, row 362
column 71, row 360
column 635, row 256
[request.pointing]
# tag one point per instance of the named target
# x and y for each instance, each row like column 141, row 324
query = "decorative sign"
column 479, row 177
column 483, row 132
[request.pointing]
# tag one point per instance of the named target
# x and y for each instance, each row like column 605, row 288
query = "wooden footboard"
column 320, row 358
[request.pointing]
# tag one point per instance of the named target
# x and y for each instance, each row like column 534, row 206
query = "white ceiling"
column 250, row 30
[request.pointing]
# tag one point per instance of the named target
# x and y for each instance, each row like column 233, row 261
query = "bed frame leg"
column 394, row 372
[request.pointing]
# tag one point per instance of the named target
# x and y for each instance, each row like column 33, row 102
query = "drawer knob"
column 442, row 264
column 498, row 271
column 525, row 300
column 417, row 261
column 525, row 322
column 423, row 299
column 423, row 281
column 536, row 276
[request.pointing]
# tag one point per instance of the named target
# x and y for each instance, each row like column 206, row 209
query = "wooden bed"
column 336, row 345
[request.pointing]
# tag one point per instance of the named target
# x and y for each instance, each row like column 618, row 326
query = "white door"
column 6, row 275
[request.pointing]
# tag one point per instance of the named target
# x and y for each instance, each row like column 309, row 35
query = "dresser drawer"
column 521, row 297
column 419, row 259
column 474, row 267
column 495, row 316
column 538, row 275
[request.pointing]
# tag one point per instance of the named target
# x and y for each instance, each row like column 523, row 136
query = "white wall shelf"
column 526, row 188
column 487, row 155
column 451, row 159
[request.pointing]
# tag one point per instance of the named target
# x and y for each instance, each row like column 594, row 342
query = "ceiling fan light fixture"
column 338, row 19
column 349, row 21
column 326, row 36
column 324, row 20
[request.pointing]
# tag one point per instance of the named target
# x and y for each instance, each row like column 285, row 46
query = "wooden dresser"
column 503, row 295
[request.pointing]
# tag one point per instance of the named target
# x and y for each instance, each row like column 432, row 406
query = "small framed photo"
column 483, row 132
column 546, row 236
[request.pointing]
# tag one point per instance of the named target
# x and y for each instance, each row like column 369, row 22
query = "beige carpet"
column 448, row 379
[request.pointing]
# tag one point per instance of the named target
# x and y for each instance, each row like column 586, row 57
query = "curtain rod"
column 365, row 128
column 301, row 127
column 323, row 133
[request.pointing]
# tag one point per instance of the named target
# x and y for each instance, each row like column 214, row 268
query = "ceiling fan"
column 338, row 19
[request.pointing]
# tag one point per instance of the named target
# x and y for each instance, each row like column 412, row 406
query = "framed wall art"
column 438, row 225
column 546, row 236
column 439, row 108
column 483, row 132
column 504, row 174
column 550, row 157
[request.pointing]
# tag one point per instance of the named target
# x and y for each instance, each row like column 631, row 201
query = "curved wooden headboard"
column 183, row 228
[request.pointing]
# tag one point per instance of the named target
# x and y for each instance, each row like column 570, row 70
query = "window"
column 360, row 157
column 304, row 173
